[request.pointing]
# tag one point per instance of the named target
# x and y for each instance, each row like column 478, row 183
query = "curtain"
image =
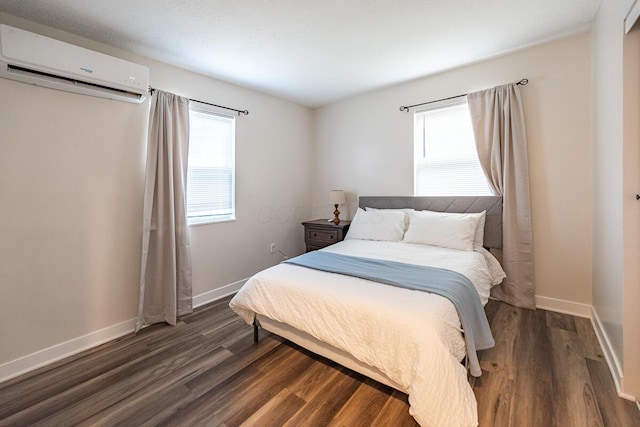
column 165, row 278
column 498, row 124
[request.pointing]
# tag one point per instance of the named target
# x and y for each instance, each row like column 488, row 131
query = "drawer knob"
column 315, row 234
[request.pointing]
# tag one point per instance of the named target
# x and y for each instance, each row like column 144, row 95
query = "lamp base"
column 336, row 213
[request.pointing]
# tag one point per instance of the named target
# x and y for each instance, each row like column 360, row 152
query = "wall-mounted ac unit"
column 35, row 59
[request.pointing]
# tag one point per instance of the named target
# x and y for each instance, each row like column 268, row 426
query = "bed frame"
column 492, row 239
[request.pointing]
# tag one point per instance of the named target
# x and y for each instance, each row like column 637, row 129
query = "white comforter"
column 413, row 337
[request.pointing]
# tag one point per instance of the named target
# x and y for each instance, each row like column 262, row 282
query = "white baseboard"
column 57, row 352
column 563, row 306
column 610, row 356
column 216, row 294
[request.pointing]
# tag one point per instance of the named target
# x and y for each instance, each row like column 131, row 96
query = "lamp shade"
column 337, row 197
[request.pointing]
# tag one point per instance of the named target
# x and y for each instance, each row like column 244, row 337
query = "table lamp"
column 336, row 197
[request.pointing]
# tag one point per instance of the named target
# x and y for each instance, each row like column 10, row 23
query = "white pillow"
column 447, row 230
column 380, row 225
column 405, row 210
column 478, row 241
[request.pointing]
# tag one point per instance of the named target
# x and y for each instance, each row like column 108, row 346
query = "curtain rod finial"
column 523, row 82
column 403, row 108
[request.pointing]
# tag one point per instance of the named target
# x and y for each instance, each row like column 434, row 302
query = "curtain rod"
column 522, row 82
column 240, row 112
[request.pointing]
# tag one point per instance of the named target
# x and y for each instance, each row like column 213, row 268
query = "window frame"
column 213, row 219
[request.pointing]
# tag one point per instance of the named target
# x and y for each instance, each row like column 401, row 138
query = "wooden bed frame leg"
column 255, row 331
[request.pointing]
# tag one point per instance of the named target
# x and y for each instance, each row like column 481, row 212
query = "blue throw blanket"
column 449, row 284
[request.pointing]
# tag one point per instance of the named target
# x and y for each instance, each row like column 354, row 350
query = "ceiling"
column 314, row 52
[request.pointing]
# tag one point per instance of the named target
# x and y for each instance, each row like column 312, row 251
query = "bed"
column 408, row 339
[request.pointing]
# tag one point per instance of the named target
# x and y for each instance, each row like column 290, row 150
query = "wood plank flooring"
column 545, row 370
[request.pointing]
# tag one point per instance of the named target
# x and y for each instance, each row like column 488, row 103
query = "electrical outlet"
column 272, row 248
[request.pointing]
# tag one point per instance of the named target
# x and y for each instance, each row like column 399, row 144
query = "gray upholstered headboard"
column 491, row 204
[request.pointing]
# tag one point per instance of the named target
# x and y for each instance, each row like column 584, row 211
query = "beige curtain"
column 165, row 279
column 498, row 124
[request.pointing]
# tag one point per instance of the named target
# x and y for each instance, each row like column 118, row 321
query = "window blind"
column 445, row 157
column 211, row 167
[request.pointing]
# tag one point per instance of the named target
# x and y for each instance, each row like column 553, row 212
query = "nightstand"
column 320, row 233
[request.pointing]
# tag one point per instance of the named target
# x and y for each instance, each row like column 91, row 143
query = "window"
column 445, row 157
column 211, row 167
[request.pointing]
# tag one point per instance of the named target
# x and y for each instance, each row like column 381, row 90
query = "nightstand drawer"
column 321, row 237
column 321, row 233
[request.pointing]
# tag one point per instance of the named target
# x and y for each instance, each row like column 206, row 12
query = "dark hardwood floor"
column 545, row 370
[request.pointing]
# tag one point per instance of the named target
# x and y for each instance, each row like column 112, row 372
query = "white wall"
column 616, row 230
column 364, row 145
column 607, row 170
column 616, row 98
column 71, row 187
